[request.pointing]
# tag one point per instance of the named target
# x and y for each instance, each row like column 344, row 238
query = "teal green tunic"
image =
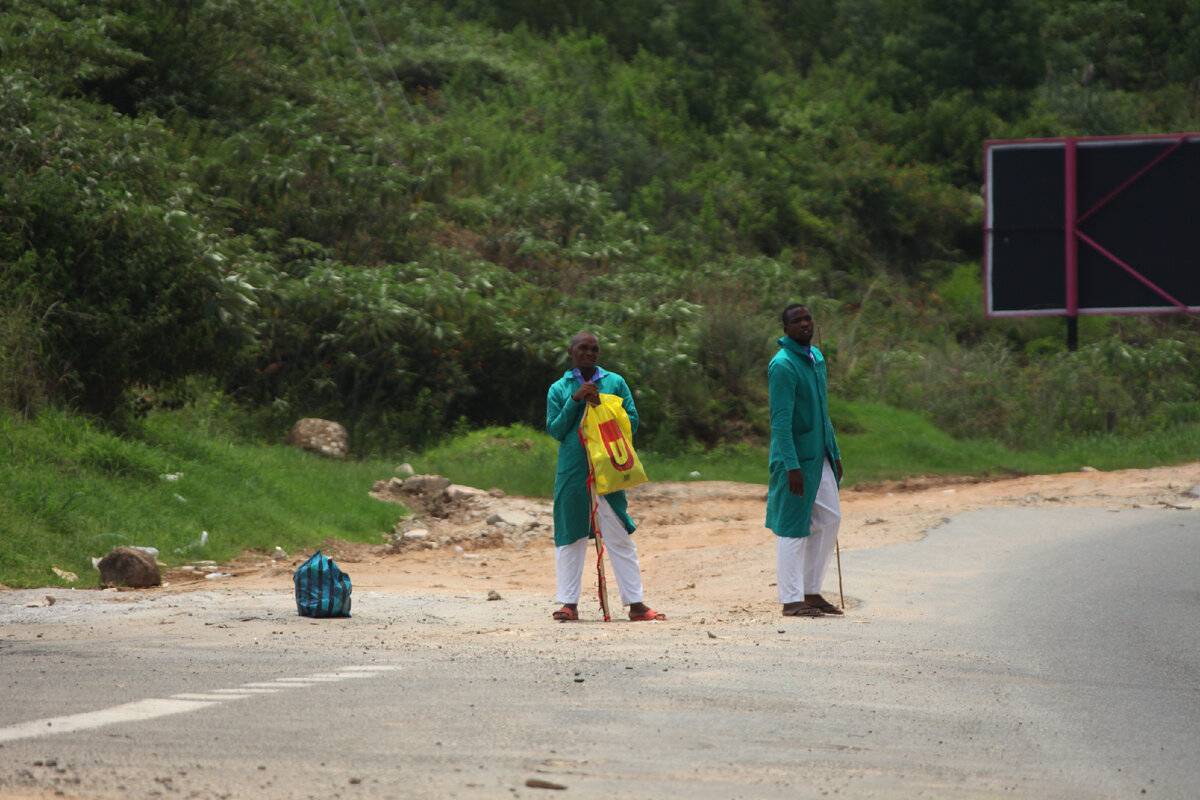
column 801, row 435
column 572, row 501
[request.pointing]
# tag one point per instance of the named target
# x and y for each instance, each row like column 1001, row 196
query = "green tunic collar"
column 793, row 347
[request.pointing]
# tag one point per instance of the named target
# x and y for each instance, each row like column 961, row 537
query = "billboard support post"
column 1071, row 214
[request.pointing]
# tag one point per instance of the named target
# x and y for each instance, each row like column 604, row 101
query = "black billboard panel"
column 1124, row 239
column 1032, row 269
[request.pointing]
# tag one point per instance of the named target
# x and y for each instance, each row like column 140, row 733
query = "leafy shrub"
column 117, row 281
column 396, row 218
column 402, row 351
column 21, row 386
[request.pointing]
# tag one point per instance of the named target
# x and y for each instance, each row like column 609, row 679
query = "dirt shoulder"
column 708, row 563
column 701, row 543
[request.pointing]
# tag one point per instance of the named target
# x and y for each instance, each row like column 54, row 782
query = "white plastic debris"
column 196, row 545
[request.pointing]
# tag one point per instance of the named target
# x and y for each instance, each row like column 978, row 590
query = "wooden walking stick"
column 602, row 585
column 837, row 549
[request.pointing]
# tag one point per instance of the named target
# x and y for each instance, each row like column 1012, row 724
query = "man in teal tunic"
column 565, row 404
column 803, row 508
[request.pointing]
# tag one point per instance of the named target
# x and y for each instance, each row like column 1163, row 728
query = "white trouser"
column 570, row 559
column 800, row 562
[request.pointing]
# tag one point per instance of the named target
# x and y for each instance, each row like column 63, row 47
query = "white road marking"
column 276, row 685
column 136, row 711
column 337, row 676
column 152, row 708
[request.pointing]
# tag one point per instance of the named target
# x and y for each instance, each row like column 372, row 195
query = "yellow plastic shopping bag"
column 606, row 434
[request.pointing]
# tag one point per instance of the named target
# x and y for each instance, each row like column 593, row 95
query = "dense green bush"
column 100, row 255
column 21, row 386
column 396, row 215
column 398, row 352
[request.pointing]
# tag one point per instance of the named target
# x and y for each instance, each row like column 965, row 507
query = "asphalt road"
column 1012, row 653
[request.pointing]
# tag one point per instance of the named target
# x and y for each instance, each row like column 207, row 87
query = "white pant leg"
column 789, row 568
column 801, row 562
column 568, row 568
column 622, row 553
column 571, row 559
column 823, row 531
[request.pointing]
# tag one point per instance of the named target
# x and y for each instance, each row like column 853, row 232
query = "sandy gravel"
column 702, row 544
column 708, row 563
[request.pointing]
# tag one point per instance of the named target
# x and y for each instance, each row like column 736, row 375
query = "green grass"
column 70, row 491
column 877, row 442
column 882, row 443
column 517, row 459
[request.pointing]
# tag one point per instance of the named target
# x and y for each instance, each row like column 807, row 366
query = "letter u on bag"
column 620, row 452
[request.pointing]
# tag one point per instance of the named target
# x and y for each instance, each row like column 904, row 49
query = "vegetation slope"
column 394, row 215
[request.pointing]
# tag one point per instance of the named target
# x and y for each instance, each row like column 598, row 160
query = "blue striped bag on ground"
column 322, row 589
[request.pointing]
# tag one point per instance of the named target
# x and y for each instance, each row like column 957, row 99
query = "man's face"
column 799, row 325
column 585, row 352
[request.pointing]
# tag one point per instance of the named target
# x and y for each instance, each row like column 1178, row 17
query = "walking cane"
column 837, row 548
column 602, row 585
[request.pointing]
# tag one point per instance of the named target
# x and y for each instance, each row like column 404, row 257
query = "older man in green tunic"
column 803, row 508
column 565, row 404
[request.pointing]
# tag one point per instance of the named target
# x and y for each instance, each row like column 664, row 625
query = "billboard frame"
column 1072, row 235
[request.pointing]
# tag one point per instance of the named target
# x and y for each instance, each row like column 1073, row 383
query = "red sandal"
column 566, row 614
column 649, row 615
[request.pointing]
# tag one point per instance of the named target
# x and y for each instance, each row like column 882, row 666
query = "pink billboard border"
column 1072, row 219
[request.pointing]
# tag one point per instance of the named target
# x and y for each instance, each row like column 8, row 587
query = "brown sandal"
column 566, row 614
column 803, row 611
column 821, row 604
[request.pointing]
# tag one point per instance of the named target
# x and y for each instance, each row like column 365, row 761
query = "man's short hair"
column 575, row 339
column 784, row 315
